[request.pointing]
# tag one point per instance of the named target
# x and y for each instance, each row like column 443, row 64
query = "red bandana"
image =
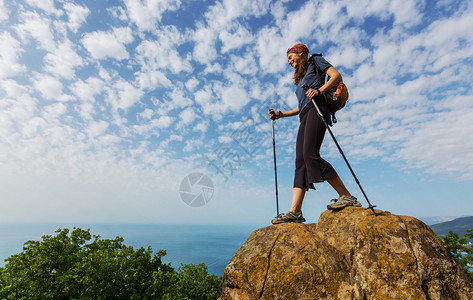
column 299, row 48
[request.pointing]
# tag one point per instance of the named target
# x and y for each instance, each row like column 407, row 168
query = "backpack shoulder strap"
column 317, row 69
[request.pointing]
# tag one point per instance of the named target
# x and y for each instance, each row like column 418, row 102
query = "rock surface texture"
column 349, row 254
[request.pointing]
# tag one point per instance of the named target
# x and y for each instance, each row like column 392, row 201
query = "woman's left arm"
column 335, row 78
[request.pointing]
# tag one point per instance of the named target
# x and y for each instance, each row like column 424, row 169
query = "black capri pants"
column 310, row 167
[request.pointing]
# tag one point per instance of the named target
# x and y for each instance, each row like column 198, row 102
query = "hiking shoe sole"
column 343, row 202
column 288, row 217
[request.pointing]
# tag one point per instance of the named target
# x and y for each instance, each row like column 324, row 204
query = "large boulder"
column 349, row 254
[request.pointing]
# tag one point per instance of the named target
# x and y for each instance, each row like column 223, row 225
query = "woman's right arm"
column 280, row 114
column 290, row 113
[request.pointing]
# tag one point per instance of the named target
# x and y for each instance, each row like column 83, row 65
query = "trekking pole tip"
column 372, row 209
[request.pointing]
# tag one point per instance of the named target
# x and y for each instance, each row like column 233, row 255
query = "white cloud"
column 235, row 38
column 36, row 27
column 234, row 98
column 13, row 89
column 147, row 114
column 220, row 19
column 54, row 111
column 205, row 49
column 10, row 52
column 145, row 130
column 178, row 101
column 108, row 44
column 204, row 97
column 16, row 109
column 171, row 138
column 162, row 122
column 3, row 11
column 191, row 84
column 118, row 12
column 247, row 64
column 320, row 13
column 50, row 88
column 223, row 13
column 448, row 41
column 46, row 5
column 213, row 68
column 270, row 47
column 77, row 15
column 31, row 132
column 188, row 116
column 443, row 144
column 97, row 128
column 152, row 80
column 407, row 13
column 193, row 144
column 146, row 14
column 87, row 90
column 162, row 53
column 124, row 95
column 109, row 140
column 202, row 126
column 62, row 61
column 220, row 99
column 349, row 52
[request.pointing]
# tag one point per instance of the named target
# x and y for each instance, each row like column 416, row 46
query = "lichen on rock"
column 349, row 254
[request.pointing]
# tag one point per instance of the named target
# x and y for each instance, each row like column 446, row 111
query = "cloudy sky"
column 107, row 107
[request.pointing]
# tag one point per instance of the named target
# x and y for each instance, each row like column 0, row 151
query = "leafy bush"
column 460, row 248
column 79, row 266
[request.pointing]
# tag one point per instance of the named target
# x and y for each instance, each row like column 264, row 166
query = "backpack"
column 337, row 96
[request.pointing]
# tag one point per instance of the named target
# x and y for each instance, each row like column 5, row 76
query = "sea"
column 213, row 245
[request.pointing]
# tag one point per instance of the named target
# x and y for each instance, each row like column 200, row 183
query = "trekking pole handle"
column 273, row 115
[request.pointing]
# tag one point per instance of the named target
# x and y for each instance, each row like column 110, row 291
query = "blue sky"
column 107, row 106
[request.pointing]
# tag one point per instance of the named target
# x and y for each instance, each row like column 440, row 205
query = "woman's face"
column 293, row 59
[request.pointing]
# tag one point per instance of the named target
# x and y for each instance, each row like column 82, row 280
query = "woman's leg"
column 297, row 198
column 345, row 198
column 339, row 187
column 317, row 169
column 294, row 214
column 300, row 174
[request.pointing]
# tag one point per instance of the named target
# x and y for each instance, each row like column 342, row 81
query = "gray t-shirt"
column 312, row 80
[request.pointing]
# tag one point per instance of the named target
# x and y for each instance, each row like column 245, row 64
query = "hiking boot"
column 289, row 217
column 342, row 202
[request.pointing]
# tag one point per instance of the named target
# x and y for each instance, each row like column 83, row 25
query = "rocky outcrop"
column 349, row 254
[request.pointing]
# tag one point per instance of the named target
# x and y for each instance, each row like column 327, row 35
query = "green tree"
column 75, row 265
column 460, row 248
column 193, row 282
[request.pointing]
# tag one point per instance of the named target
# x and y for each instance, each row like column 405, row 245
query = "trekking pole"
column 275, row 167
column 306, row 88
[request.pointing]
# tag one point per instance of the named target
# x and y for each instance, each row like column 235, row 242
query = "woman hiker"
column 310, row 167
